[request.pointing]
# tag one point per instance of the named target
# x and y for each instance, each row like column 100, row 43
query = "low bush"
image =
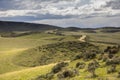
column 58, row 67
column 48, row 76
column 79, row 56
column 112, row 49
column 80, row 65
column 92, row 67
column 67, row 74
column 89, row 55
column 114, row 60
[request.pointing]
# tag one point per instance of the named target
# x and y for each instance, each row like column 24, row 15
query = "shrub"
column 80, row 65
column 67, row 74
column 89, row 55
column 79, row 56
column 92, row 67
column 112, row 50
column 114, row 60
column 58, row 67
column 107, row 49
column 48, row 76
column 110, row 56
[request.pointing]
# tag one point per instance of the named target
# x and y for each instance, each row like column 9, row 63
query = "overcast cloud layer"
column 80, row 13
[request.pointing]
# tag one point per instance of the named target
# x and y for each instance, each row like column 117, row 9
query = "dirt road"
column 83, row 38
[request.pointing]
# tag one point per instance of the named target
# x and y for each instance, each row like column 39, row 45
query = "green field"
column 11, row 48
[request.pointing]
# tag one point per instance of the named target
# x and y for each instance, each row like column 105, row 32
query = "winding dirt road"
column 83, row 38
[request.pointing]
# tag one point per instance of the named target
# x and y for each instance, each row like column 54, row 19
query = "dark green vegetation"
column 109, row 29
column 7, row 26
column 63, row 70
column 61, row 51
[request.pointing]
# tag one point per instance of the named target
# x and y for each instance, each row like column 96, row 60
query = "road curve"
column 82, row 38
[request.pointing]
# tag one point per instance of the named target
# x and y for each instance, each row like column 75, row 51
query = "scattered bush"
column 112, row 50
column 68, row 74
column 48, row 76
column 114, row 60
column 111, row 56
column 55, row 52
column 89, row 55
column 58, row 67
column 86, row 55
column 92, row 67
column 107, row 49
column 79, row 56
column 80, row 65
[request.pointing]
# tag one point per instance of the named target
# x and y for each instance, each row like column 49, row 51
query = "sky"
column 64, row 13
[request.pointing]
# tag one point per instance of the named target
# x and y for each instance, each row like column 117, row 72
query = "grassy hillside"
column 17, row 54
column 10, row 47
column 26, row 74
column 99, row 36
column 53, row 53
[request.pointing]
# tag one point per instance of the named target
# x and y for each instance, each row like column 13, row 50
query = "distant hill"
column 9, row 26
column 109, row 29
column 93, row 30
column 6, row 26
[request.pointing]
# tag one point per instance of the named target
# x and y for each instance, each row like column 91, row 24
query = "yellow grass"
column 26, row 74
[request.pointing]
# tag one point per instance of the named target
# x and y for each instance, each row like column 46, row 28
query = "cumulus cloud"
column 58, row 9
column 114, row 4
column 88, row 23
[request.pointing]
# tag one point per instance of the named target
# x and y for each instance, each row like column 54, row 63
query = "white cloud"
column 61, row 7
column 65, row 11
column 13, row 13
column 78, row 22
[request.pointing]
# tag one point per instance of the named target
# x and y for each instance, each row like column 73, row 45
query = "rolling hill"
column 35, row 53
column 7, row 26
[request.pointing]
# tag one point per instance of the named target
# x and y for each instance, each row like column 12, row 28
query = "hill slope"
column 22, row 26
